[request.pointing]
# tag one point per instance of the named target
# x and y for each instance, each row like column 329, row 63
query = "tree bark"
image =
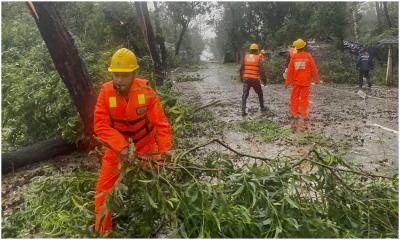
column 160, row 38
column 67, row 61
column 385, row 10
column 34, row 153
column 178, row 44
column 378, row 16
column 147, row 29
column 354, row 14
column 389, row 69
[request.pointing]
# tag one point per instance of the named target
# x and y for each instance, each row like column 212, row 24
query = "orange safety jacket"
column 301, row 69
column 140, row 117
column 251, row 64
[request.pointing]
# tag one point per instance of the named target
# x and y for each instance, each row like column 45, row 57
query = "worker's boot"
column 244, row 110
column 244, row 105
column 261, row 100
column 263, row 108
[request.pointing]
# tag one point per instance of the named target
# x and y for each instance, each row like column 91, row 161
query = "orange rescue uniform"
column 138, row 116
column 300, row 71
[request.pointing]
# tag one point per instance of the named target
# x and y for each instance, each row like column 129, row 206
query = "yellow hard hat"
column 263, row 51
column 123, row 60
column 299, row 44
column 253, row 46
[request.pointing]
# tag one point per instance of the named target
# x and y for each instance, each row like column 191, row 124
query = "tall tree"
column 385, row 10
column 160, row 36
column 356, row 18
column 378, row 16
column 183, row 13
column 143, row 12
column 66, row 59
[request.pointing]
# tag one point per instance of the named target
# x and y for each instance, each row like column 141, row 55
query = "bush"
column 275, row 67
column 336, row 71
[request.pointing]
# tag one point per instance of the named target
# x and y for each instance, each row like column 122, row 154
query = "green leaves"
column 151, row 201
column 291, row 202
column 57, row 205
column 247, row 202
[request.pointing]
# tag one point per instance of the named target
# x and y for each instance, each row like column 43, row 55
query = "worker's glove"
column 124, row 155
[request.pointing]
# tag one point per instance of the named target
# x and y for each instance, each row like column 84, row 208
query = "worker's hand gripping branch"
column 127, row 155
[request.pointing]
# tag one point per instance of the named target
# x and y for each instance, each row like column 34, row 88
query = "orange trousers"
column 299, row 96
column 109, row 174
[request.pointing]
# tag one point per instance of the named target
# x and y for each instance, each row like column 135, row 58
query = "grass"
column 267, row 131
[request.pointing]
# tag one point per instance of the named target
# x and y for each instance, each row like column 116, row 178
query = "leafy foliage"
column 36, row 105
column 56, row 206
column 184, row 199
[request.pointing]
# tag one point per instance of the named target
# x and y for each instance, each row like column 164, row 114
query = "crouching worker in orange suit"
column 127, row 107
column 301, row 69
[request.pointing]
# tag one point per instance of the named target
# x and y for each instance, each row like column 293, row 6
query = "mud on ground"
column 366, row 130
column 14, row 185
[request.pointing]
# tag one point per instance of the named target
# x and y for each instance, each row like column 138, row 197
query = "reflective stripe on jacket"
column 301, row 69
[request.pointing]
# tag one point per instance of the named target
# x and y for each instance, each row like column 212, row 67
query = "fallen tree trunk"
column 34, row 153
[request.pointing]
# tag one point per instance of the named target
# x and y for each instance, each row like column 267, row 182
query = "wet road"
column 369, row 126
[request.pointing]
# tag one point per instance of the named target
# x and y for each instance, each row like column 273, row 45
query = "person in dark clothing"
column 251, row 73
column 364, row 65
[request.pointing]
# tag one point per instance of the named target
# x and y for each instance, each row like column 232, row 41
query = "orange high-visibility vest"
column 251, row 64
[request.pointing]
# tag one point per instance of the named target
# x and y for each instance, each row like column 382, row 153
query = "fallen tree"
column 34, row 153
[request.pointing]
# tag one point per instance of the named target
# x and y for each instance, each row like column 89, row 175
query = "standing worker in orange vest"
column 300, row 71
column 127, row 107
column 251, row 73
